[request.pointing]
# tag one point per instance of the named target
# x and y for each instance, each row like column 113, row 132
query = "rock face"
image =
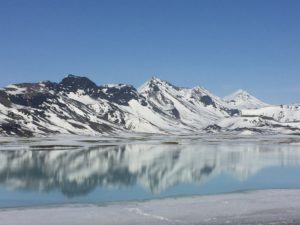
column 76, row 105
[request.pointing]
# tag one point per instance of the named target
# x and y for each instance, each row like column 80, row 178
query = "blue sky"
column 222, row 45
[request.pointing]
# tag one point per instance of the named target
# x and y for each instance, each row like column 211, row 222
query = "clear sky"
column 222, row 45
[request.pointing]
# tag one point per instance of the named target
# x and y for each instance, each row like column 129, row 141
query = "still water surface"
column 129, row 172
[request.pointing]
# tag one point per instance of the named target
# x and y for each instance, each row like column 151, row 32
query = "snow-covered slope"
column 282, row 113
column 195, row 108
column 76, row 105
column 243, row 100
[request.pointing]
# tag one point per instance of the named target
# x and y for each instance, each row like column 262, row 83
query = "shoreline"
column 274, row 206
column 135, row 201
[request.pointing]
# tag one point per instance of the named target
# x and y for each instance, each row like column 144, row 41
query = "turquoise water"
column 132, row 172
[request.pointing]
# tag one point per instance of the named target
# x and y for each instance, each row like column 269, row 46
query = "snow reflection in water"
column 115, row 172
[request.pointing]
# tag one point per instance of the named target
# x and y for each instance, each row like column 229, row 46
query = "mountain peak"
column 77, row 105
column 152, row 83
column 156, row 80
column 240, row 93
column 243, row 100
column 73, row 83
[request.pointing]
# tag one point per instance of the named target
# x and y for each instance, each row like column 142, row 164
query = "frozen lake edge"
column 254, row 207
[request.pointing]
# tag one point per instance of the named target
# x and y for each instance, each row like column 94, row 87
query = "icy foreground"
column 76, row 105
column 259, row 207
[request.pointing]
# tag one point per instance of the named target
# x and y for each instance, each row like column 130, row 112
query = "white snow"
column 14, row 89
column 243, row 100
column 80, row 96
column 284, row 113
column 256, row 207
column 169, row 109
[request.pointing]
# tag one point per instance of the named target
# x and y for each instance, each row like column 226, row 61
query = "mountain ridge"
column 77, row 105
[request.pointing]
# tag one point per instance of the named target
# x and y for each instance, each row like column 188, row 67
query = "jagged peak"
column 156, row 80
column 154, row 83
column 73, row 82
column 75, row 77
column 201, row 89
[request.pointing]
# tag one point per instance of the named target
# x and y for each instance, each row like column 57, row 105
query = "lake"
column 43, row 171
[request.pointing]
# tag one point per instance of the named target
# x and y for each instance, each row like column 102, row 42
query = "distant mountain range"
column 76, row 105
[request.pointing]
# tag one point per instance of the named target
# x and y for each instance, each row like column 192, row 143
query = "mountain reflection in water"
column 154, row 167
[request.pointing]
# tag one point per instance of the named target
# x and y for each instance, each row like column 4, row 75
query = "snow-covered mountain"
column 243, row 100
column 190, row 108
column 76, row 105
